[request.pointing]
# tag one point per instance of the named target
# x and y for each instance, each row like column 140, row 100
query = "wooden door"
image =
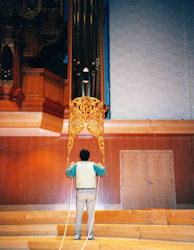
column 133, row 179
column 161, row 191
column 147, row 179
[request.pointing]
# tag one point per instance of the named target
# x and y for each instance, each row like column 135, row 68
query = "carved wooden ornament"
column 87, row 111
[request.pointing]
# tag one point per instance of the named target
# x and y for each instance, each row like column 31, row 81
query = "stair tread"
column 120, row 229
column 99, row 243
column 164, row 232
column 149, row 216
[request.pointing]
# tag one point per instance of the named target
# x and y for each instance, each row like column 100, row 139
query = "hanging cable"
column 68, row 213
column 97, row 191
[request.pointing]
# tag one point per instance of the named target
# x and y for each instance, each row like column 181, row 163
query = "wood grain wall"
column 32, row 169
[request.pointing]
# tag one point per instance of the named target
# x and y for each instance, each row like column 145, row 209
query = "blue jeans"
column 88, row 197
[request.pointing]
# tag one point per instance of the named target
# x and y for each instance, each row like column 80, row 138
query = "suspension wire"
column 65, row 231
column 97, row 191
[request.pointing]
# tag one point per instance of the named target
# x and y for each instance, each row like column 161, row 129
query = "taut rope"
column 65, row 231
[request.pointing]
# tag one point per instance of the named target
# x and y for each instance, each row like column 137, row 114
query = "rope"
column 70, row 198
column 97, row 191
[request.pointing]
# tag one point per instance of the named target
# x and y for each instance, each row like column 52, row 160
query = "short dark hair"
column 84, row 154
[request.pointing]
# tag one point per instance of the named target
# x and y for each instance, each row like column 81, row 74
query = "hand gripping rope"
column 70, row 199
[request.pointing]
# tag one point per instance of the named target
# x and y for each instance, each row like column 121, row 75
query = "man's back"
column 85, row 175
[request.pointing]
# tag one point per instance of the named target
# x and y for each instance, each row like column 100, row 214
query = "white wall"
column 152, row 59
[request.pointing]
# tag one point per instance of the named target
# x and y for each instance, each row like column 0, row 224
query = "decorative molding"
column 45, row 73
column 148, row 127
column 53, row 108
column 11, row 98
column 51, row 123
column 22, row 119
column 142, row 127
column 30, row 120
column 18, row 96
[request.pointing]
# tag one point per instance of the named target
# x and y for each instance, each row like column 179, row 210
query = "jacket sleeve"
column 71, row 171
column 100, row 170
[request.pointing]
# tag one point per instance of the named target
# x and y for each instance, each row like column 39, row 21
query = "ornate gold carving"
column 86, row 110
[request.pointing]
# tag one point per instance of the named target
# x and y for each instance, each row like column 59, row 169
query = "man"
column 85, row 172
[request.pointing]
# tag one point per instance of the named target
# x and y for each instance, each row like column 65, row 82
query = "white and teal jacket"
column 85, row 172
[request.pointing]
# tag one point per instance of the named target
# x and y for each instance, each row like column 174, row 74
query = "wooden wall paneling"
column 32, row 85
column 33, row 168
column 54, row 89
column 5, row 182
column 192, row 162
column 34, row 172
column 3, row 168
column 41, row 84
column 183, row 169
column 112, row 179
